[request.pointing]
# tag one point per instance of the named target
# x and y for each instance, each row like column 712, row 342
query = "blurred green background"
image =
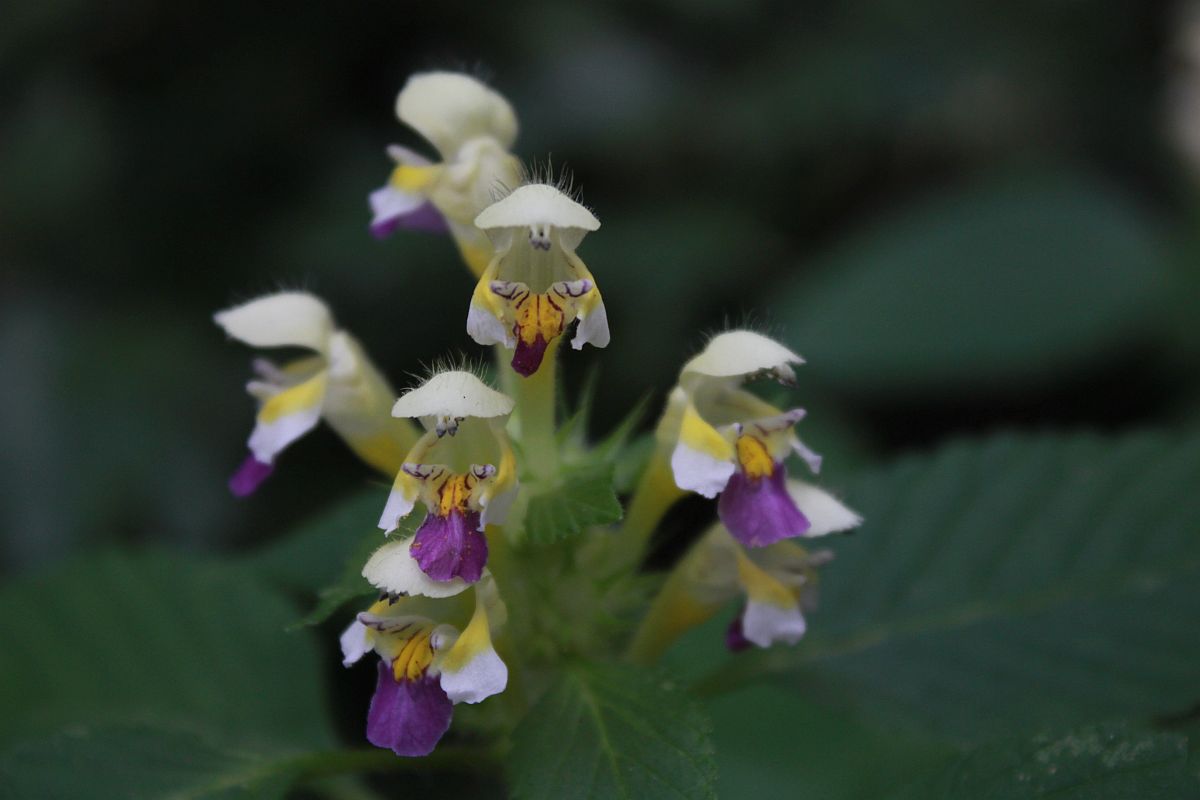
column 966, row 216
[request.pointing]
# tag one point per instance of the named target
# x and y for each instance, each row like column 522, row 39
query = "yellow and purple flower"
column 725, row 440
column 433, row 654
column 777, row 582
column 472, row 127
column 337, row 383
column 535, row 285
column 463, row 470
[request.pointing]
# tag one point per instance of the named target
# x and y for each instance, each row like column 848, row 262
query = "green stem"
column 505, row 374
column 534, row 416
column 501, row 564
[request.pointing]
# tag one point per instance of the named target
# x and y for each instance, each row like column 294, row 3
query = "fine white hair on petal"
column 536, row 204
column 455, row 393
column 450, row 108
column 268, row 439
column 593, row 328
column 825, row 513
column 737, row 353
column 479, row 678
column 764, row 624
column 485, row 329
column 398, row 506
column 393, row 569
column 699, row 472
column 354, row 643
column 285, row 319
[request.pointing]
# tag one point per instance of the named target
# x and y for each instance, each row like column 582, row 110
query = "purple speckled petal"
column 409, row 717
column 249, row 476
column 760, row 511
column 528, row 357
column 735, row 638
column 451, row 547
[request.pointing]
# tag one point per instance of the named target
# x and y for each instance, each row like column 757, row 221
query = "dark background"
column 965, row 215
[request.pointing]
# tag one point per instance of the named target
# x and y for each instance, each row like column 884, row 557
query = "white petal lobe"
column 825, row 513
column 739, row 353
column 393, row 569
column 285, row 319
column 268, row 439
column 354, row 643
column 453, row 394
column 480, row 678
column 699, row 472
column 764, row 624
column 593, row 328
column 399, row 505
column 485, row 329
column 537, row 204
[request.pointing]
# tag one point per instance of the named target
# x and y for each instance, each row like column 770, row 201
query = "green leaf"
column 1002, row 283
column 189, row 762
column 1095, row 763
column 1008, row 582
column 350, row 585
column 772, row 742
column 313, row 555
column 140, row 761
column 154, row 637
column 607, row 731
column 582, row 496
column 573, row 431
column 611, row 446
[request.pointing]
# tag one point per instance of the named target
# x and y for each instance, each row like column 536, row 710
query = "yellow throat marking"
column 455, row 494
column 416, row 654
column 411, row 178
column 538, row 314
column 754, row 457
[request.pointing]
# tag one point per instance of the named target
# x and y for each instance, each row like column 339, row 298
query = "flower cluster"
column 469, row 463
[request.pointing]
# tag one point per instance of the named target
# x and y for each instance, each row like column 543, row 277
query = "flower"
column 338, row 383
column 464, row 471
column 535, row 285
column 426, row 665
column 472, row 127
column 778, row 581
column 725, row 440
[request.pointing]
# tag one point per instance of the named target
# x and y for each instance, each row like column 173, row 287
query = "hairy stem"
column 535, row 412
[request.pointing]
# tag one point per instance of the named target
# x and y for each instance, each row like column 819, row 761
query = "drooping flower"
column 472, row 127
column 337, row 383
column 464, row 471
column 535, row 285
column 725, row 440
column 429, row 661
column 777, row 582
